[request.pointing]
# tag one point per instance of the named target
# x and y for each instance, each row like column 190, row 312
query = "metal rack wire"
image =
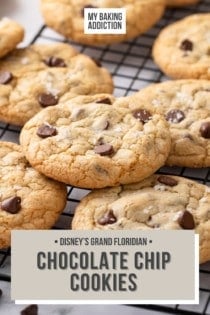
column 132, row 68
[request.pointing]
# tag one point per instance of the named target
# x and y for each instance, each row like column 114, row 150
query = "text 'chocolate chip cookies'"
column 158, row 202
column 182, row 49
column 28, row 200
column 186, row 106
column 45, row 75
column 67, row 18
column 92, row 144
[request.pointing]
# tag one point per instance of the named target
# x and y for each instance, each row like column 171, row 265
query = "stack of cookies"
column 75, row 132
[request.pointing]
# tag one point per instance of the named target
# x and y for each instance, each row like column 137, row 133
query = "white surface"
column 26, row 12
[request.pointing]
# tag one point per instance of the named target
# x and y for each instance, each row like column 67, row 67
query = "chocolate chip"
column 55, row 62
column 47, row 99
column 11, row 205
column 166, row 180
column 186, row 220
column 1, row 292
column 5, row 77
column 186, row 45
column 45, row 131
column 108, row 218
column 104, row 149
column 205, row 130
column 104, row 101
column 88, row 6
column 142, row 115
column 97, row 62
column 175, row 116
column 30, row 310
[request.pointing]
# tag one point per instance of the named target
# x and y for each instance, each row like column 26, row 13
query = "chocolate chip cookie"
column 185, row 105
column 11, row 33
column 180, row 3
column 96, row 144
column 158, row 202
column 67, row 18
column 28, row 200
column 45, row 75
column 182, row 49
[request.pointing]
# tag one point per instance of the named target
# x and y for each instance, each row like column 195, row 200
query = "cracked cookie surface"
column 67, row 18
column 94, row 142
column 186, row 106
column 11, row 33
column 45, row 75
column 158, row 202
column 180, row 3
column 182, row 49
column 28, row 200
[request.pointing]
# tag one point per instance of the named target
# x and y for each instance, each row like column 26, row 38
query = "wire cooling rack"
column 132, row 69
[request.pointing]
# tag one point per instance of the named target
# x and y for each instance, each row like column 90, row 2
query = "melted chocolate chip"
column 104, row 101
column 175, row 116
column 205, row 130
column 186, row 220
column 142, row 115
column 30, row 310
column 45, row 131
column 55, row 62
column 108, row 218
column 11, row 205
column 47, row 99
column 5, row 77
column 186, row 45
column 88, row 6
column 167, row 180
column 104, row 149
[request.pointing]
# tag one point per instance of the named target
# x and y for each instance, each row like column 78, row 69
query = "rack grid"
column 132, row 68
